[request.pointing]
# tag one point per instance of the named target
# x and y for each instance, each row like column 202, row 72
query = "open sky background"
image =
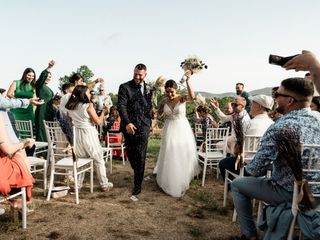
column 234, row 38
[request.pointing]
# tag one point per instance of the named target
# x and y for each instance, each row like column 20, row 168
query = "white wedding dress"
column 177, row 161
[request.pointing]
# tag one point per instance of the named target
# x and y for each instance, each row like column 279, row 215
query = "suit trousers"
column 136, row 147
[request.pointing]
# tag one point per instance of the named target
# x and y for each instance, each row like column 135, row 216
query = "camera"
column 278, row 60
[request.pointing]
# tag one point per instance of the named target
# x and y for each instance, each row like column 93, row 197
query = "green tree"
column 114, row 98
column 83, row 70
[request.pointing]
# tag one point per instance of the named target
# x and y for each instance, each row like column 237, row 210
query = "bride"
column 177, row 161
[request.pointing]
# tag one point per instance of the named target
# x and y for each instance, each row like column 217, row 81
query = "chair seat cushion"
column 68, row 162
column 41, row 144
column 37, row 161
column 211, row 155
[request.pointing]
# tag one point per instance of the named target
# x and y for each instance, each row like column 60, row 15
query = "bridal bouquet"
column 156, row 88
column 194, row 64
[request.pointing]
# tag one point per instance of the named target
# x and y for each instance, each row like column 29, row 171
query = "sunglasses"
column 235, row 105
column 277, row 94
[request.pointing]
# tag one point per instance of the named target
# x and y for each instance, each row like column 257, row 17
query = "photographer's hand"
column 307, row 61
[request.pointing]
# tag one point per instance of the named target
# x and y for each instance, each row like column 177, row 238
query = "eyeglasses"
column 101, row 90
column 277, row 94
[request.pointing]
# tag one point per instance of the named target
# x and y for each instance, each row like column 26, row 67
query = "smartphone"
column 278, row 60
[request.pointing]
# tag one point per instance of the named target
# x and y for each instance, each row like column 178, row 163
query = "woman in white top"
column 84, row 118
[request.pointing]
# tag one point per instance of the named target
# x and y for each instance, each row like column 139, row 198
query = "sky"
column 234, row 38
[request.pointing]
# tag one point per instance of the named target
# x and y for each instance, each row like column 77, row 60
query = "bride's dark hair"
column 171, row 84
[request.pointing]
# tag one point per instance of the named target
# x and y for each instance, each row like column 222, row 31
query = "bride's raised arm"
column 191, row 95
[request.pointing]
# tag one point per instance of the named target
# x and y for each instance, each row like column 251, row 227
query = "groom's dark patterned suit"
column 135, row 107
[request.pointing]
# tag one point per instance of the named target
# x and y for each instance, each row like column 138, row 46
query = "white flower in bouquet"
column 194, row 64
column 161, row 80
column 200, row 100
column 156, row 88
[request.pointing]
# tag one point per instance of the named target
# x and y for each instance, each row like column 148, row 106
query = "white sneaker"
column 134, row 198
column 147, row 178
column 107, row 187
column 2, row 211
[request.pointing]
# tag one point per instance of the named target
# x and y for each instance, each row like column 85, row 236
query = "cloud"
column 109, row 38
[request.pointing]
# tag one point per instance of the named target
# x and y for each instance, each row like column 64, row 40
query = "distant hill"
column 265, row 91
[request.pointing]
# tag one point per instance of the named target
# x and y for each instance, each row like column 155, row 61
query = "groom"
column 134, row 105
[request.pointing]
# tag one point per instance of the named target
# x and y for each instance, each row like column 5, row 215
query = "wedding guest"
column 177, row 162
column 197, row 114
column 239, row 111
column 228, row 110
column 294, row 98
column 63, row 117
column 134, row 105
column 14, row 171
column 12, row 103
column 315, row 104
column 240, row 92
column 257, row 126
column 75, row 80
column 113, row 127
column 23, row 88
column 102, row 100
column 3, row 93
column 207, row 120
column 93, row 98
column 44, row 111
column 84, row 118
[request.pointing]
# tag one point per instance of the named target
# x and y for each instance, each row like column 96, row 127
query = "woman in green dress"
column 46, row 110
column 23, row 88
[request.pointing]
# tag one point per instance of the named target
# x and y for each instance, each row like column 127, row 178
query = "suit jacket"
column 134, row 107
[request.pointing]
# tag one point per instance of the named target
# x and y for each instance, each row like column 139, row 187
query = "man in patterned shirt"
column 293, row 98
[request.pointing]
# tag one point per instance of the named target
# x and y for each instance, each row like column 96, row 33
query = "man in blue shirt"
column 293, row 98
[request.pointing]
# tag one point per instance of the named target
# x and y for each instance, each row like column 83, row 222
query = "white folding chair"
column 23, row 195
column 198, row 133
column 311, row 172
column 250, row 147
column 215, row 149
column 37, row 164
column 115, row 142
column 62, row 162
column 107, row 156
column 25, row 130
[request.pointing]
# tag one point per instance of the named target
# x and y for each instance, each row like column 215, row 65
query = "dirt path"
column 198, row 215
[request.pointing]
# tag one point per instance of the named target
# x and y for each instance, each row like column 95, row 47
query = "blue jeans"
column 246, row 188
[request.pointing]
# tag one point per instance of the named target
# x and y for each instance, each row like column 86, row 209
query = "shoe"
column 106, row 187
column 18, row 205
column 134, row 198
column 148, row 178
column 2, row 211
